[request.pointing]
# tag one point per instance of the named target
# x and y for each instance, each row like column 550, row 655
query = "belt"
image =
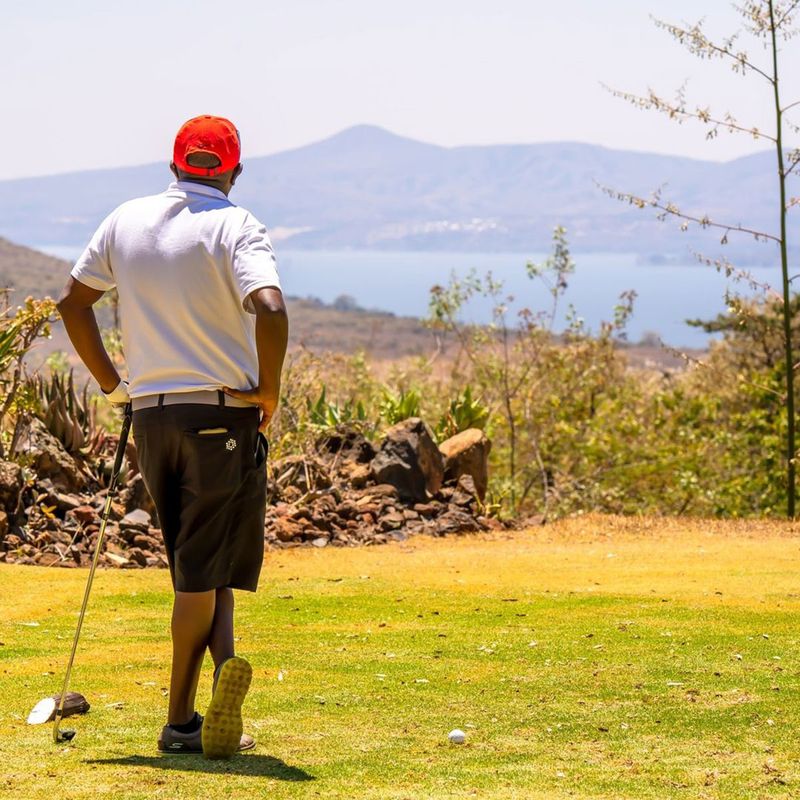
column 205, row 396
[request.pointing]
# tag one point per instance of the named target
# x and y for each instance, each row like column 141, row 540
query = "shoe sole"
column 222, row 725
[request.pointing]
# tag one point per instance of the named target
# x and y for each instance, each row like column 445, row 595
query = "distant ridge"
column 368, row 188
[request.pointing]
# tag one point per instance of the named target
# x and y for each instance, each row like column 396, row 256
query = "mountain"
column 367, row 188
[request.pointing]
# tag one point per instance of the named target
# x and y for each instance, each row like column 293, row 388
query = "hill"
column 368, row 188
column 316, row 326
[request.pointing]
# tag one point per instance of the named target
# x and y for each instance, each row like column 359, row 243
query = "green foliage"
column 326, row 414
column 18, row 332
column 395, row 407
column 463, row 412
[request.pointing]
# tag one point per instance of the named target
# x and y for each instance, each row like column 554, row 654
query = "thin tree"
column 768, row 21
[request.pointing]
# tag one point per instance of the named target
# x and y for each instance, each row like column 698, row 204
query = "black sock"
column 188, row 727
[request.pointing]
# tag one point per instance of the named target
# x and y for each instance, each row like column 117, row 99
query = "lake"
column 400, row 282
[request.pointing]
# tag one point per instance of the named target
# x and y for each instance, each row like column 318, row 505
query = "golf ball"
column 457, row 736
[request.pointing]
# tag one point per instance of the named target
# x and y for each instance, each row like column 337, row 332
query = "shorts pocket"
column 215, row 463
column 262, row 449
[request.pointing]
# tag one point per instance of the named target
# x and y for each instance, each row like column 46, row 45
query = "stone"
column 456, row 521
column 138, row 518
column 10, row 485
column 84, row 514
column 3, row 524
column 138, row 555
column 67, row 502
column 286, row 529
column 467, row 453
column 428, row 509
column 49, row 458
column 348, row 443
column 136, row 496
column 359, row 475
column 409, row 460
column 393, row 521
column 372, row 492
column 320, row 541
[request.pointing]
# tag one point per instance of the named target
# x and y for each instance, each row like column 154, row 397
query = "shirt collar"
column 192, row 187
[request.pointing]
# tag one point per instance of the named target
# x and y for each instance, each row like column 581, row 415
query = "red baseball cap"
column 214, row 135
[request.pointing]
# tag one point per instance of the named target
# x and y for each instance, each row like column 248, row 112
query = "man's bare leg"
column 220, row 642
column 192, row 619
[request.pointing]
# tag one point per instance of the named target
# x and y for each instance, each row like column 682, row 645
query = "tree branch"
column 673, row 210
column 680, row 113
column 700, row 45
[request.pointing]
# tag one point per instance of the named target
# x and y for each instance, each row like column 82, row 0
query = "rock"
column 456, row 521
column 348, row 443
column 138, row 519
column 428, row 509
column 358, row 475
column 139, row 556
column 10, row 485
column 49, row 459
column 409, row 460
column 84, row 514
column 392, row 521
column 467, row 453
column 135, row 495
column 286, row 529
column 320, row 541
column 370, row 493
column 3, row 524
column 67, row 502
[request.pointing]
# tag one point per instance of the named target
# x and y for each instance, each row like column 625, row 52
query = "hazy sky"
column 93, row 83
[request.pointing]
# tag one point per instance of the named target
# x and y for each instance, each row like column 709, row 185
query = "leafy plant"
column 70, row 420
column 395, row 407
column 463, row 412
column 18, row 332
column 326, row 414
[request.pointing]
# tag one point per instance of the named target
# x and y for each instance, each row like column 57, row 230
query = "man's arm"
column 272, row 334
column 75, row 307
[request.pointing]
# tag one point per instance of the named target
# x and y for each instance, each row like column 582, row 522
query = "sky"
column 92, row 84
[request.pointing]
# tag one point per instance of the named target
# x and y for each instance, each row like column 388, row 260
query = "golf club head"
column 42, row 712
column 64, row 736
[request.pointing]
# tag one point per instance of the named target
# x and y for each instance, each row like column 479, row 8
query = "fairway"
column 595, row 658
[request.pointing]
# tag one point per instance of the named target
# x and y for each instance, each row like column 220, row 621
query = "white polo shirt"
column 183, row 262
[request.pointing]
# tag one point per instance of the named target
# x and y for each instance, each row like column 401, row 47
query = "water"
column 400, row 282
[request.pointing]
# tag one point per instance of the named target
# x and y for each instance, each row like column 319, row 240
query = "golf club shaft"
column 123, row 439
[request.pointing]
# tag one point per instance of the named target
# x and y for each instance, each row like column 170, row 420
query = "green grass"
column 597, row 658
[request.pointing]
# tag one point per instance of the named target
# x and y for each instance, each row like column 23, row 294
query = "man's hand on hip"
column 266, row 401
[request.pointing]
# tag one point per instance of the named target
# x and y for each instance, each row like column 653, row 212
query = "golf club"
column 43, row 707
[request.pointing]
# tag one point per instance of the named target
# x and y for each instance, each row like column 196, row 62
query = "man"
column 204, row 329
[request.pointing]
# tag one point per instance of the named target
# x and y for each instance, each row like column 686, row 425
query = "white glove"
column 119, row 395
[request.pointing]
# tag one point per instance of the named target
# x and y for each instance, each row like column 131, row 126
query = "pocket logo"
column 230, row 444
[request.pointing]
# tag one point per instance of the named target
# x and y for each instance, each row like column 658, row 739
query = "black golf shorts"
column 209, row 490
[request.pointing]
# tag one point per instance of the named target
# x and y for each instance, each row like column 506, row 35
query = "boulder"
column 467, row 453
column 49, row 459
column 10, row 485
column 135, row 495
column 456, row 521
column 138, row 519
column 347, row 443
column 409, row 460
